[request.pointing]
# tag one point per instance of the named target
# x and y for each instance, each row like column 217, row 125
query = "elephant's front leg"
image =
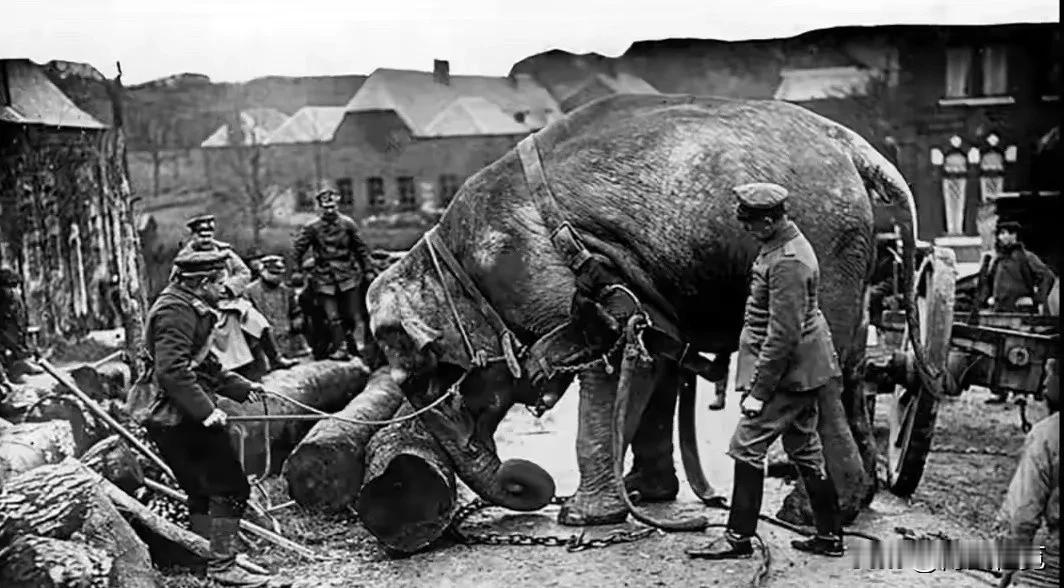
column 597, row 501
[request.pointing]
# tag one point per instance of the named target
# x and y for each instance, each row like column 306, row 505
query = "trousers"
column 206, row 466
column 792, row 416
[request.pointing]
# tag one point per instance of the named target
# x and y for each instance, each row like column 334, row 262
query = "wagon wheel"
column 913, row 408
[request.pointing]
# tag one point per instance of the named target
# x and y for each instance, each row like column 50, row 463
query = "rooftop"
column 27, row 96
column 256, row 125
column 819, row 83
column 310, row 124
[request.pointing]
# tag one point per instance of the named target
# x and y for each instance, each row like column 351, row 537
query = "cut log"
column 86, row 429
column 116, row 377
column 28, row 445
column 169, row 544
column 113, row 459
column 57, row 501
column 325, row 385
column 31, row 561
column 325, row 470
column 409, row 496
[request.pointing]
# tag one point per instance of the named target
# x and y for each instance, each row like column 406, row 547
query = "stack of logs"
column 68, row 516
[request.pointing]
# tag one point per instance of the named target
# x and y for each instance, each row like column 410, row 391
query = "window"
column 375, row 193
column 449, row 184
column 954, row 189
column 972, row 72
column 407, row 193
column 958, row 71
column 347, row 192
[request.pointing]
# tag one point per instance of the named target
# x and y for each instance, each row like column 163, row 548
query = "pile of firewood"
column 80, row 507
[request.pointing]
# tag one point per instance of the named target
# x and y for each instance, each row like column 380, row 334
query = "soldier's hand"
column 217, row 417
column 255, row 393
column 750, row 406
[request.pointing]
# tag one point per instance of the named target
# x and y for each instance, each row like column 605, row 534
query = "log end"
column 409, row 505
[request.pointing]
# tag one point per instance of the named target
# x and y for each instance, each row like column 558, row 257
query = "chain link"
column 993, row 450
column 572, row 543
column 605, row 359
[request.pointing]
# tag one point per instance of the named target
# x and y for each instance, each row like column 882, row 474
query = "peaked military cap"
column 760, row 195
column 327, row 195
column 9, row 277
column 200, row 263
column 1010, row 226
column 272, row 263
column 200, row 223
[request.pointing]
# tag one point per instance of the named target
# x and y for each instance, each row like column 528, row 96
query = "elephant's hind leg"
column 653, row 473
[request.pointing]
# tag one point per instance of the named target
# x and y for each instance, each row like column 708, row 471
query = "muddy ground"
column 958, row 497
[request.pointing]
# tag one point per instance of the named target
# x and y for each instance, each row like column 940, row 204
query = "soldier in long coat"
column 341, row 271
column 786, row 359
column 240, row 318
column 185, row 423
column 277, row 300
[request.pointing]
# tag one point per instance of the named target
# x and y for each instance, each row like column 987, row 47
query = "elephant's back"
column 655, row 174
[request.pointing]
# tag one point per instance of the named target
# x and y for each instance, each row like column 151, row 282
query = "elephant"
column 645, row 182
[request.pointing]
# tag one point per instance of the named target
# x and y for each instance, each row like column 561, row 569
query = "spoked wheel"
column 913, row 408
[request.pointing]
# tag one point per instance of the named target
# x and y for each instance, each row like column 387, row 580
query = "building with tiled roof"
column 28, row 97
column 310, row 124
column 256, row 125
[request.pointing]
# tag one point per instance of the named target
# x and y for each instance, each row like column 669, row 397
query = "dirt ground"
column 957, row 497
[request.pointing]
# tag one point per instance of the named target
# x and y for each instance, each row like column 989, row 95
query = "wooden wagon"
column 1005, row 352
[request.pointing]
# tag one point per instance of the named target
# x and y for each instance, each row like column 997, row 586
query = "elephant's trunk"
column 516, row 484
column 629, row 365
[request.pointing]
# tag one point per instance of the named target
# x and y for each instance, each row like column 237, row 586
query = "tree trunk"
column 324, row 385
column 29, row 445
column 57, row 501
column 32, row 561
column 325, row 469
column 113, row 459
column 409, row 497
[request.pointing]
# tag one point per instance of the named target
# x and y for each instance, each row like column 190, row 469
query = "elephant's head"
column 418, row 333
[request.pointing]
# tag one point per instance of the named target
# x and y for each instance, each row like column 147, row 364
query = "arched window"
column 954, row 187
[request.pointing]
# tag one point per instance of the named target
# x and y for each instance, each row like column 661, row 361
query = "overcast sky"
column 232, row 40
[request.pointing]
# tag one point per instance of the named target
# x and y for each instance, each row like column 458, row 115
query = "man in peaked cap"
column 340, row 275
column 277, row 300
column 15, row 354
column 786, row 360
column 185, row 422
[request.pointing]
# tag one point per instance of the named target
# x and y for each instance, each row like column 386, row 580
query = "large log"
column 324, row 385
column 409, row 496
column 31, row 561
column 28, row 445
column 57, row 501
column 325, row 470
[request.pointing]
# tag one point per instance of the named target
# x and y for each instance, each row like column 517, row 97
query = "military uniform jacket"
column 179, row 328
column 12, row 326
column 341, row 258
column 785, row 342
column 278, row 302
column 239, row 272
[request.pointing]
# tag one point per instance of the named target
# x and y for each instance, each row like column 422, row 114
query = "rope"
column 450, row 391
column 450, row 301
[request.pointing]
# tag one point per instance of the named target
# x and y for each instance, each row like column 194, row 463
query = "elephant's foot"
column 652, row 485
column 585, row 510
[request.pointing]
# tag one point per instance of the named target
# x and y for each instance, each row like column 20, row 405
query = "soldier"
column 341, row 271
column 15, row 354
column 241, row 318
column 786, row 361
column 186, row 424
column 277, row 300
column 1013, row 278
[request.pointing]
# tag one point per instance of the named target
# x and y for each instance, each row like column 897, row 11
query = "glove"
column 750, row 406
column 217, row 417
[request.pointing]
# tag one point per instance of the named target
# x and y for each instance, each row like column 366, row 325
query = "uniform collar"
column 782, row 237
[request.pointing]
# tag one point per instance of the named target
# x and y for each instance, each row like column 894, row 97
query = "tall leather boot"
column 824, row 501
column 222, row 566
column 747, row 492
column 200, row 524
column 273, row 354
column 339, row 342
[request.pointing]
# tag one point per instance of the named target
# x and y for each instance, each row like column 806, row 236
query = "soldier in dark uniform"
column 786, row 360
column 277, row 300
column 1013, row 278
column 341, row 272
column 15, row 354
column 186, row 424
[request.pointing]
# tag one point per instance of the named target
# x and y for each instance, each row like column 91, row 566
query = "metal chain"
column 993, row 450
column 579, row 367
column 572, row 543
